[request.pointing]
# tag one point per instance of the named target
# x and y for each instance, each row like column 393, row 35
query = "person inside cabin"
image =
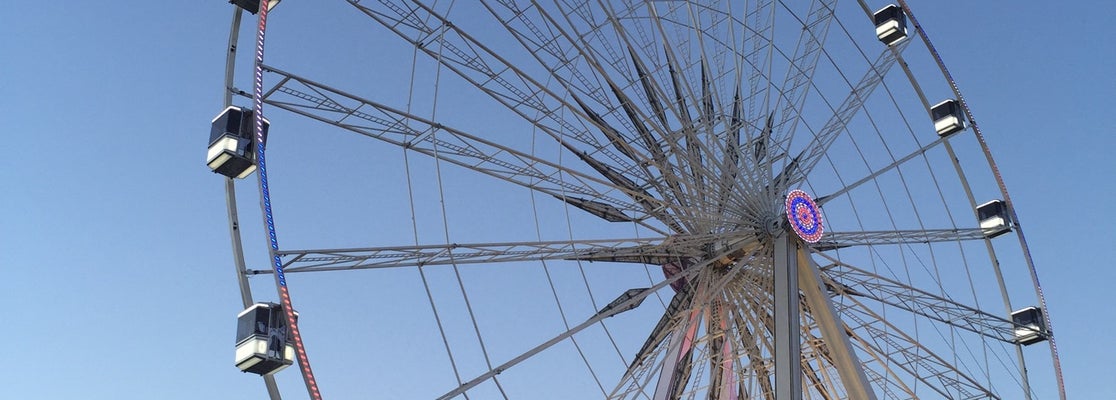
column 276, row 339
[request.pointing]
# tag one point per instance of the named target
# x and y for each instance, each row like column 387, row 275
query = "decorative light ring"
column 804, row 216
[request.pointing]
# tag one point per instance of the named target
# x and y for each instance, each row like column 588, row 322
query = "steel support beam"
column 832, row 329
column 788, row 343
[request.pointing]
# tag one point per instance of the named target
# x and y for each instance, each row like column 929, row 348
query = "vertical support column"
column 788, row 331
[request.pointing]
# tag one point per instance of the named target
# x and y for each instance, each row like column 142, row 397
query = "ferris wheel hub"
column 773, row 225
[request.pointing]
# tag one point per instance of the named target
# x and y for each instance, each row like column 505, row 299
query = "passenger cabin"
column 948, row 118
column 264, row 345
column 230, row 143
column 891, row 24
column 994, row 218
column 1030, row 326
column 253, row 6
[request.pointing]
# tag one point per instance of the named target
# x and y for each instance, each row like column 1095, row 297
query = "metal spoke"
column 875, row 174
column 648, row 251
column 911, row 356
column 846, row 280
column 323, row 103
column 837, row 240
column 801, row 70
column 506, row 83
column 838, row 123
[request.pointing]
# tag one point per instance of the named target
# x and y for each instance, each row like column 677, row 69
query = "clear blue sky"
column 118, row 281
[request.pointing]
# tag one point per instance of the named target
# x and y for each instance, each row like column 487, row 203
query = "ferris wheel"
column 625, row 199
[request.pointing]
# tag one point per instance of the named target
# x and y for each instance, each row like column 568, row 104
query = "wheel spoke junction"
column 589, row 199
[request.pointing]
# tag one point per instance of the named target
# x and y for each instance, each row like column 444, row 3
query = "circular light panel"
column 804, row 216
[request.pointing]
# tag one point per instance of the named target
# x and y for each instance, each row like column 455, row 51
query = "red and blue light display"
column 280, row 277
column 804, row 216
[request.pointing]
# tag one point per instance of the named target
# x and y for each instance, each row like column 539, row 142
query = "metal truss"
column 847, row 280
column 908, row 354
column 333, row 106
column 645, row 251
column 801, row 165
column 837, row 240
